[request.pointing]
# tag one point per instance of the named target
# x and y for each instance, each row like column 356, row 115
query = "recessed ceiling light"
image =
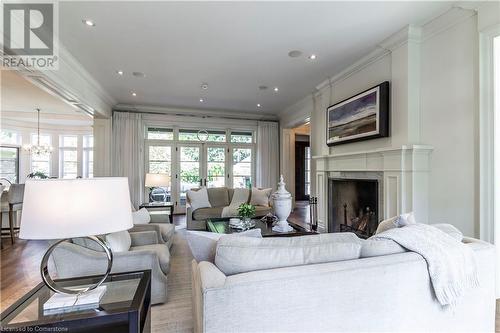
column 294, row 53
column 134, row 93
column 262, row 87
column 202, row 100
column 312, row 57
column 276, row 89
column 119, row 72
column 90, row 23
column 138, row 74
column 204, row 86
column 258, row 105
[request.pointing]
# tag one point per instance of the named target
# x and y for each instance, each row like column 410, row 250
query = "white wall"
column 449, row 104
column 434, row 80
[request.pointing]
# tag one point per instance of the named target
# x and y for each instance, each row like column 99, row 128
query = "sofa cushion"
column 236, row 255
column 374, row 247
column 198, row 198
column 260, row 197
column 450, row 230
column 218, row 196
column 207, row 213
column 161, row 251
column 203, row 244
column 262, row 210
column 119, row 241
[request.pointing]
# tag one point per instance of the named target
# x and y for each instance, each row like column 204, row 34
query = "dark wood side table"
column 125, row 307
column 156, row 208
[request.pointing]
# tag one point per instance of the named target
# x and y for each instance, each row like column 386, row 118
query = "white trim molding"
column 486, row 134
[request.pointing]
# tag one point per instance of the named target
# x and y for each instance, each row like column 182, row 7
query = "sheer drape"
column 128, row 152
column 267, row 154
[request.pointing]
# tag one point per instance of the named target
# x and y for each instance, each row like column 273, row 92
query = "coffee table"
column 221, row 226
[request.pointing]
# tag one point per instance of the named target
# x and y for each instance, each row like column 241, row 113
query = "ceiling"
column 19, row 98
column 235, row 47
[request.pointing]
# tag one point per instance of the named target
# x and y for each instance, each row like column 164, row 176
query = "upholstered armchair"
column 82, row 257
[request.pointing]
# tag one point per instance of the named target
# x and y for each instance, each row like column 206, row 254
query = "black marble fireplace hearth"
column 353, row 206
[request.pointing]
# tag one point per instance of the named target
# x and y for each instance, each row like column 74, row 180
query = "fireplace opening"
column 353, row 206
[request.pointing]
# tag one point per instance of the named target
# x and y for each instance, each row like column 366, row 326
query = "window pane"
column 160, row 153
column 40, row 166
column 9, row 137
column 69, row 141
column 44, row 139
column 190, row 170
column 241, row 137
column 9, row 159
column 242, row 155
column 216, row 136
column 88, row 141
column 242, row 182
column 188, row 135
column 160, row 133
column 190, row 154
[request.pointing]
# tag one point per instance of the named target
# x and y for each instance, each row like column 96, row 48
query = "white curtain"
column 128, row 152
column 267, row 154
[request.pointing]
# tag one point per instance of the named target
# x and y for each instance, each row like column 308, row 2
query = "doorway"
column 302, row 168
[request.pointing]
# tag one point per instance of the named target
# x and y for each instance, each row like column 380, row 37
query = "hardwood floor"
column 19, row 266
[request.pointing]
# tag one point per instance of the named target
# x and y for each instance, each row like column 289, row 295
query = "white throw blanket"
column 240, row 196
column 451, row 264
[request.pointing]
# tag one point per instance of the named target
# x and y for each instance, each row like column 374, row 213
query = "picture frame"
column 363, row 116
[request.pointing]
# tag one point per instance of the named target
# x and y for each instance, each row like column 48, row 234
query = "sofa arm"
column 140, row 238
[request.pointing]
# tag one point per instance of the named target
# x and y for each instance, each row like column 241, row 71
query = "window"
column 241, row 137
column 189, row 163
column 68, row 156
column 160, row 161
column 242, row 167
column 216, row 162
column 9, row 137
column 307, row 170
column 160, row 133
column 192, row 135
column 88, row 156
column 9, row 164
column 41, row 162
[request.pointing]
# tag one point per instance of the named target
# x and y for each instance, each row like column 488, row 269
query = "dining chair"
column 11, row 202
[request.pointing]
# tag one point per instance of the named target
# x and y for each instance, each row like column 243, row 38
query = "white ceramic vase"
column 282, row 203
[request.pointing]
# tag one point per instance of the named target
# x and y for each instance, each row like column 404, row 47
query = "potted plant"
column 38, row 175
column 246, row 212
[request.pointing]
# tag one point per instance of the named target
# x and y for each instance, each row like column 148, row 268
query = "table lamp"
column 157, row 180
column 61, row 209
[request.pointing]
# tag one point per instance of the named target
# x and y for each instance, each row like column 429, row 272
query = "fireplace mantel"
column 405, row 172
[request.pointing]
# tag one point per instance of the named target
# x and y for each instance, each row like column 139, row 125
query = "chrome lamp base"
column 50, row 283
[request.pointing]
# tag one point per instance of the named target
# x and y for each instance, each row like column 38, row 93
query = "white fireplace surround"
column 404, row 171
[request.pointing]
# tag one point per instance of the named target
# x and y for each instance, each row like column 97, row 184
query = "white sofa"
column 385, row 293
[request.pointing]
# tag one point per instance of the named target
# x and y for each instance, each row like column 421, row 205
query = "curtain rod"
column 192, row 115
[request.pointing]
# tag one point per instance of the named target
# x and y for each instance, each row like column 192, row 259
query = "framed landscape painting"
column 361, row 117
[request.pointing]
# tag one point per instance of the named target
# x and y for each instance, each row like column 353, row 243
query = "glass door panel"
column 216, row 166
column 160, row 161
column 190, row 171
column 242, row 167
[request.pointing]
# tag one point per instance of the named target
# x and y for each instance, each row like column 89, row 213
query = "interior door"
column 189, row 171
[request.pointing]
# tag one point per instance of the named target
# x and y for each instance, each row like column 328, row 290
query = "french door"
column 192, row 164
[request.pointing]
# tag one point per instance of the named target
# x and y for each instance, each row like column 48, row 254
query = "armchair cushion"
column 141, row 216
column 141, row 238
column 161, row 252
column 119, row 241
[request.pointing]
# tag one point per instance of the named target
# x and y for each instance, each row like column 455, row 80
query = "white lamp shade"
column 157, row 180
column 70, row 208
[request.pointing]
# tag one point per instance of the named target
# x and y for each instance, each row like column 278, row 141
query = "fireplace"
column 353, row 206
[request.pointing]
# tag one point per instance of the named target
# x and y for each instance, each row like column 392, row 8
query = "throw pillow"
column 203, row 244
column 236, row 255
column 141, row 216
column 260, row 197
column 119, row 241
column 396, row 222
column 199, row 198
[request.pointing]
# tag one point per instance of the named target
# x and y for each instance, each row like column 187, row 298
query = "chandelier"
column 38, row 149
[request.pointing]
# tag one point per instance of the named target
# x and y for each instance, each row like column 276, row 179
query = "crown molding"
column 455, row 15
column 207, row 113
